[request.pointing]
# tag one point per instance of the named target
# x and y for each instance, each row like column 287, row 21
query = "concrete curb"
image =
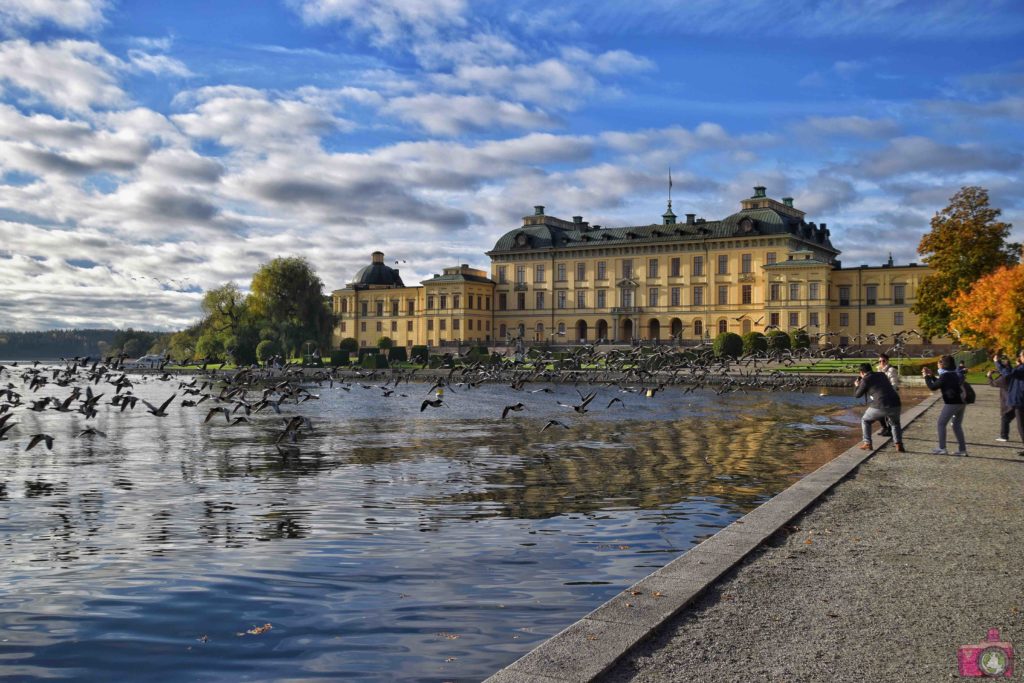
column 592, row 645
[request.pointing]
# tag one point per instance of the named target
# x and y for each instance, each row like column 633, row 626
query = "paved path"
column 880, row 580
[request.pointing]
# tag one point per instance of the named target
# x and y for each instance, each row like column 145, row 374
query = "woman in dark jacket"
column 1014, row 389
column 949, row 383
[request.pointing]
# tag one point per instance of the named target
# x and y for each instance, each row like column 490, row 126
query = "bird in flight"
column 162, row 410
column 554, row 423
column 516, row 407
column 36, row 438
column 437, row 403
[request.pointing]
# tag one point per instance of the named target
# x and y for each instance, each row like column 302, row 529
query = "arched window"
column 502, row 331
column 723, row 326
column 698, row 328
column 561, row 329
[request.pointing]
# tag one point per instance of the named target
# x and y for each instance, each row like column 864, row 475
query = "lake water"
column 394, row 544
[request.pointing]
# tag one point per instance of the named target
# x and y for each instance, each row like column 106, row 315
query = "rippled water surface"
column 393, row 544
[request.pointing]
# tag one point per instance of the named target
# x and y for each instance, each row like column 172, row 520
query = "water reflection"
column 384, row 533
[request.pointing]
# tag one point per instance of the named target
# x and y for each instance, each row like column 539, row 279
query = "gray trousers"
column 952, row 412
column 890, row 414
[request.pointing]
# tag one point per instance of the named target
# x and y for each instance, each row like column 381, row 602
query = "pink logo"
column 992, row 657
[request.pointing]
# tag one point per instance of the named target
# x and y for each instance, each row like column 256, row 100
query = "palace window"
column 344, row 305
column 380, row 308
column 581, row 272
column 444, row 324
column 652, row 267
column 344, row 326
column 581, row 298
column 602, row 270
column 698, row 328
column 560, row 275
column 652, row 296
column 540, row 300
column 626, row 298
column 380, row 326
column 897, row 318
column 673, row 267
column 444, row 301
column 769, row 258
column 430, row 302
column 394, row 308
column 814, row 291
column 364, row 307
column 362, row 327
column 746, row 264
column 394, row 326
column 502, row 301
column 794, row 319
column 561, row 298
column 456, row 301
column 502, row 331
column 813, row 319
column 456, row 323
column 487, row 303
column 844, row 295
column 774, row 291
column 871, row 295
column 410, row 307
column 870, row 319
column 723, row 295
column 794, row 291
column 538, row 273
column 773, row 319
column 408, row 326
column 674, row 296
column 502, row 275
column 747, row 294
column 899, row 294
column 520, row 274
column 844, row 320
column 521, row 301
column 723, row 326
column 602, row 298
column 698, row 296
column 430, row 324
column 627, row 268
column 723, row 264
column 698, row 266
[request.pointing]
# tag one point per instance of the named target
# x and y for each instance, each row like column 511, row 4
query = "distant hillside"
column 52, row 344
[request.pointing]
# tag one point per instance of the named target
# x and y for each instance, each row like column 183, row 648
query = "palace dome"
column 378, row 274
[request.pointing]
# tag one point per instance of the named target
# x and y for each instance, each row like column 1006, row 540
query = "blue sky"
column 151, row 150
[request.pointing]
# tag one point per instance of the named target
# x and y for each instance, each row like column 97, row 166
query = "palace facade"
column 551, row 280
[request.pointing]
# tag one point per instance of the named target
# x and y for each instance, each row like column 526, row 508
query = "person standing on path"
column 954, row 408
column 893, row 374
column 1006, row 411
column 883, row 404
column 1014, row 390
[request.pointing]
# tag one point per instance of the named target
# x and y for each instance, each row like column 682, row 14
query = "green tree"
column 799, row 339
column 289, row 296
column 966, row 242
column 754, row 342
column 385, row 343
column 728, row 344
column 266, row 350
column 349, row 344
column 778, row 340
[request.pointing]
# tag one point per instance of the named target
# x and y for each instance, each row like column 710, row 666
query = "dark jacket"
column 1014, row 383
column 879, row 391
column 949, row 382
column 1000, row 382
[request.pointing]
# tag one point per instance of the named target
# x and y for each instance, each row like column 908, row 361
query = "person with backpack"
column 1014, row 389
column 954, row 404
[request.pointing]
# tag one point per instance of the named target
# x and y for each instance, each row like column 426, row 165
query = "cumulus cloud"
column 918, row 154
column 387, row 21
column 72, row 14
column 72, row 75
column 855, row 126
column 457, row 114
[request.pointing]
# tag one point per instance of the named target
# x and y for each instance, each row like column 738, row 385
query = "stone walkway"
column 881, row 579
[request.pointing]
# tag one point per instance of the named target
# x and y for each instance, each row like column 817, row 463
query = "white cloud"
column 457, row 114
column 157, row 64
column 387, row 21
column 72, row 14
column 855, row 126
column 69, row 74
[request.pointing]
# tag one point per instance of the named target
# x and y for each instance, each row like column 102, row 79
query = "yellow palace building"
column 552, row 280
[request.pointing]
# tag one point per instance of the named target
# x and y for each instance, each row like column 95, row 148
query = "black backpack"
column 967, row 394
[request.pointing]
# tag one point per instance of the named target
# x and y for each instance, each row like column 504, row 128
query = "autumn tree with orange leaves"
column 991, row 314
column 966, row 243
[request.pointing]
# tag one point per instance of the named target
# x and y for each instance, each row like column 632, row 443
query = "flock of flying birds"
column 238, row 395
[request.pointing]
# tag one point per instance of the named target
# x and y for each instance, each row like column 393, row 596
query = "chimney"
column 538, row 210
column 759, row 191
column 690, row 218
column 788, row 201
